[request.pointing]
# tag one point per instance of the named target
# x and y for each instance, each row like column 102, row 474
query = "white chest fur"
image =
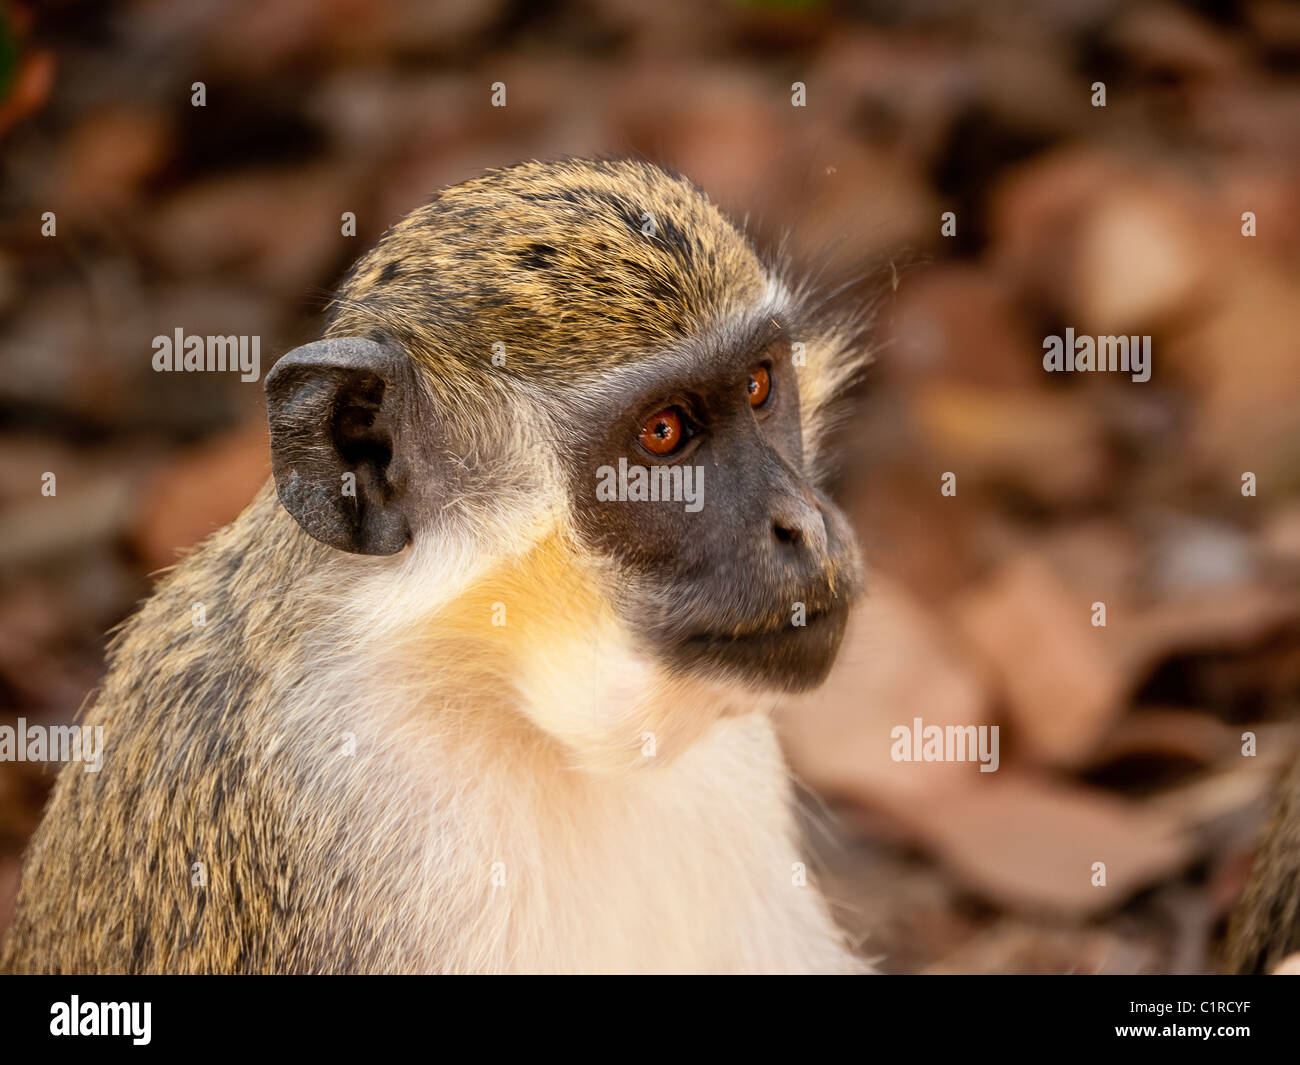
column 688, row 867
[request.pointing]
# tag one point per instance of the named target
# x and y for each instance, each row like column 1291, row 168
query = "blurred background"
column 1119, row 744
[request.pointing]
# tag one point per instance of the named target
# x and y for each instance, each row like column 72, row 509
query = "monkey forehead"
column 724, row 347
column 558, row 268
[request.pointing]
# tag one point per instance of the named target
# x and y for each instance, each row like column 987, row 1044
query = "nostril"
column 787, row 534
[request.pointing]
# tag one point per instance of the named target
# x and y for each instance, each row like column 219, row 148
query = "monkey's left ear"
column 339, row 411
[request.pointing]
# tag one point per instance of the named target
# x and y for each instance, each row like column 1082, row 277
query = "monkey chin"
column 786, row 658
column 672, row 699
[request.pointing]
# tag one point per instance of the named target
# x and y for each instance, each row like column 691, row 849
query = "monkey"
column 1264, row 926
column 444, row 710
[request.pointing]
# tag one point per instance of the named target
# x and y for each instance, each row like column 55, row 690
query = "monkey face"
column 729, row 562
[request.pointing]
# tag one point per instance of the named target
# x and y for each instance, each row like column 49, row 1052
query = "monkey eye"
column 759, row 386
column 663, row 432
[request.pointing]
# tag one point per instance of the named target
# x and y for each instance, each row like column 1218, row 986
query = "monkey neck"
column 427, row 642
column 531, row 645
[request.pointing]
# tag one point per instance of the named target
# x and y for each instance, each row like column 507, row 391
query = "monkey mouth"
column 774, row 655
column 775, row 630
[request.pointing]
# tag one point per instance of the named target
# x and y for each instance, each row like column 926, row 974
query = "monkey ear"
column 339, row 414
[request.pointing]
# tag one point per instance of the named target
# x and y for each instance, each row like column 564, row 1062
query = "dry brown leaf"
column 1031, row 844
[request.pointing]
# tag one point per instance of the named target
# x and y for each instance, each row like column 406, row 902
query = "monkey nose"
column 798, row 526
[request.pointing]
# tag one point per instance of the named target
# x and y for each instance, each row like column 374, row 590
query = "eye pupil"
column 662, row 433
column 759, row 385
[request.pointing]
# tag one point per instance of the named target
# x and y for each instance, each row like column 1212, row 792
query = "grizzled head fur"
column 574, row 267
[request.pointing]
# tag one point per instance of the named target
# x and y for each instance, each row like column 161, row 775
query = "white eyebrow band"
column 736, row 335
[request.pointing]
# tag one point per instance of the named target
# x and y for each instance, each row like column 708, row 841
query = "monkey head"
column 579, row 386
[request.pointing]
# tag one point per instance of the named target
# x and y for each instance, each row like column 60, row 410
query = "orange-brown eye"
column 760, row 386
column 662, row 433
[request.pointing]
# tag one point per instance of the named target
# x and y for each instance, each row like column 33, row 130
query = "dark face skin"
column 715, row 592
